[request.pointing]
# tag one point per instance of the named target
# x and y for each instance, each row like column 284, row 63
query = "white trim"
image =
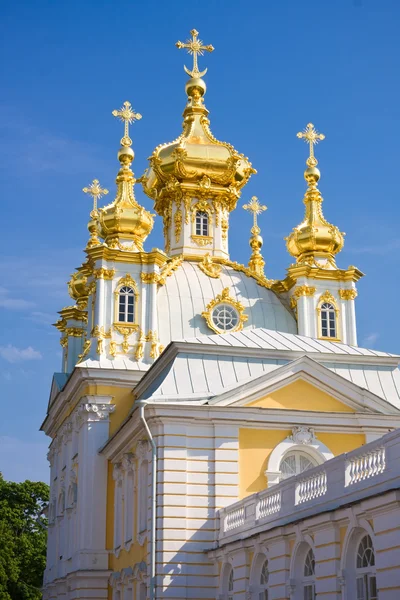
column 317, row 450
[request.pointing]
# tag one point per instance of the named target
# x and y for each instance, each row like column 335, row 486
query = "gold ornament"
column 304, row 290
column 209, row 268
column 225, row 298
column 113, row 348
column 311, row 137
column 127, row 115
column 256, row 262
column 85, row 351
column 314, row 242
column 96, row 191
column 348, row 294
column 196, row 48
column 178, row 224
column 104, row 273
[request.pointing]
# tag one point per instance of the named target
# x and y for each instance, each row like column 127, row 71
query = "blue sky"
column 277, row 65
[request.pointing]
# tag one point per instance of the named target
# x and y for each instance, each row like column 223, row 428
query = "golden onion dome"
column 315, row 240
column 124, row 223
column 77, row 285
column 196, row 160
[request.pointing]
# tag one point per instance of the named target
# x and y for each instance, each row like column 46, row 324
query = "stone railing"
column 370, row 469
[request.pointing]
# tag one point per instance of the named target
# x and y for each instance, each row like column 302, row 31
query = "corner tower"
column 196, row 180
column 322, row 294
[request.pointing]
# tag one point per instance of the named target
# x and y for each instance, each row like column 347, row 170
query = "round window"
column 225, row 317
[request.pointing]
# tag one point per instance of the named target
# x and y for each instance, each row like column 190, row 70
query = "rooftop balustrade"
column 369, row 470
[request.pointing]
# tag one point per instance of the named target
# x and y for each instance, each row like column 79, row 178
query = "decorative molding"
column 85, row 351
column 225, row 298
column 327, row 297
column 150, row 277
column 93, row 412
column 202, row 240
column 142, row 449
column 209, row 268
column 348, row 294
column 304, row 290
column 104, row 273
column 303, row 435
column 128, row 281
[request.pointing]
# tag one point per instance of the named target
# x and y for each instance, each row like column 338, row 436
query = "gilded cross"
column 96, row 191
column 311, row 137
column 196, row 48
column 256, row 208
column 128, row 116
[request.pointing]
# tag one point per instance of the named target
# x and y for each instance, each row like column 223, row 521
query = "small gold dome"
column 196, row 159
column 124, row 223
column 314, row 239
column 77, row 285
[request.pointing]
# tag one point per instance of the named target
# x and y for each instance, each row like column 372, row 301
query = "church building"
column 217, row 434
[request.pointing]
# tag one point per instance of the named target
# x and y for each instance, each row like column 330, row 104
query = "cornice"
column 295, row 272
column 66, row 400
column 155, row 256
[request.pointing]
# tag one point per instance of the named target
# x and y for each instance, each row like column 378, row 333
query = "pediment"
column 305, row 385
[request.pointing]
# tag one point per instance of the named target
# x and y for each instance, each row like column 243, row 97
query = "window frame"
column 327, row 298
column 126, row 282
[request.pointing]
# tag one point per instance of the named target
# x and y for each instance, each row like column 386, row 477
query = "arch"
column 126, row 301
column 297, row 442
column 302, row 577
column 202, row 222
column 328, row 317
column 259, row 577
column 227, row 579
column 353, row 575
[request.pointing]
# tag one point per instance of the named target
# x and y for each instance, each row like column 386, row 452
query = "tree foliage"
column 23, row 538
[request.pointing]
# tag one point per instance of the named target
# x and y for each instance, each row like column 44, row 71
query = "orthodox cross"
column 256, row 208
column 127, row 115
column 196, row 48
column 311, row 137
column 96, row 191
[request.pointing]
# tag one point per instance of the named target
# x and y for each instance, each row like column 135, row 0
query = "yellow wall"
column 255, row 446
column 301, row 395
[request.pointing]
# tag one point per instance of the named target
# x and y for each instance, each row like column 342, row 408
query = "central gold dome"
column 196, row 160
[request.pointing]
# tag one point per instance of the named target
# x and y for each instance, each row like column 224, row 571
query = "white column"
column 352, row 325
column 93, row 421
column 302, row 316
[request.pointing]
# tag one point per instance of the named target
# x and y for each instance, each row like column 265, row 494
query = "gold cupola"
column 196, row 173
column 314, row 242
column 124, row 224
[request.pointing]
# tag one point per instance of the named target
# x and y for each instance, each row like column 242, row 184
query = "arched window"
column 264, row 577
column 296, row 462
column 365, row 570
column 309, row 576
column 202, row 223
column 328, row 320
column 126, row 305
column 230, row 585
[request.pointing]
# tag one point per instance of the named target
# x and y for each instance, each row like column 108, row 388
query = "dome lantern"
column 196, row 180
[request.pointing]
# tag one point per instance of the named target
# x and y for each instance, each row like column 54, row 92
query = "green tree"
column 23, row 538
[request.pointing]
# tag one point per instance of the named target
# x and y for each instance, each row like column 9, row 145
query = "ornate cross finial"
column 96, row 191
column 311, row 137
column 196, row 48
column 127, row 115
column 256, row 208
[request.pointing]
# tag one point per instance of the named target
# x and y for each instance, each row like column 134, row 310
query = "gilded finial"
column 96, row 191
column 256, row 208
column 256, row 262
column 311, row 136
column 128, row 116
column 196, row 48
